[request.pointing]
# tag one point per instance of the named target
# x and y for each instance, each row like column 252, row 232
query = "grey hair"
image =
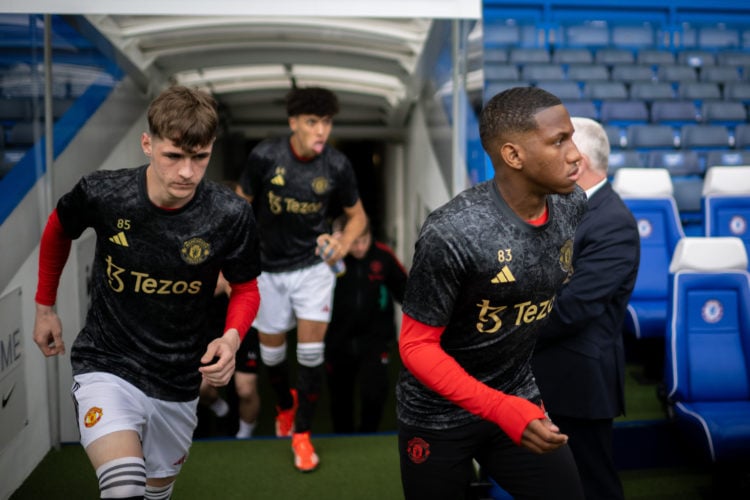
column 591, row 140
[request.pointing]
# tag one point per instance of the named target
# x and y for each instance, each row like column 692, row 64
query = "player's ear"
column 146, row 144
column 512, row 155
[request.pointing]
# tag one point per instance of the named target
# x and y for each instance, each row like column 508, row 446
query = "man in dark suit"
column 579, row 361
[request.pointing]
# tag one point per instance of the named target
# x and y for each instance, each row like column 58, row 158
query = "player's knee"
column 158, row 492
column 246, row 389
column 123, row 478
column 311, row 354
column 273, row 356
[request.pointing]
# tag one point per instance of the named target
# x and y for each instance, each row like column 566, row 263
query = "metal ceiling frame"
column 371, row 63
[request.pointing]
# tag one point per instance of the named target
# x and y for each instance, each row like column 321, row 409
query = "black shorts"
column 438, row 464
column 248, row 355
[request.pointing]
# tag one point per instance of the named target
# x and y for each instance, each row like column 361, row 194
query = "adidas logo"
column 278, row 180
column 119, row 239
column 504, row 276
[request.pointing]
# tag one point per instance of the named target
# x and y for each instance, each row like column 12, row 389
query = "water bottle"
column 338, row 267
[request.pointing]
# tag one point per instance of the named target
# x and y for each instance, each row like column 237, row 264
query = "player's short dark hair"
column 512, row 111
column 187, row 117
column 311, row 101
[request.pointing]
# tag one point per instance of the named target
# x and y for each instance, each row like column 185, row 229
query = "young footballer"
column 486, row 268
column 295, row 181
column 163, row 235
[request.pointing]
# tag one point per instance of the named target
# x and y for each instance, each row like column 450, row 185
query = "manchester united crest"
column 566, row 256
column 320, row 185
column 418, row 450
column 92, row 416
column 195, row 250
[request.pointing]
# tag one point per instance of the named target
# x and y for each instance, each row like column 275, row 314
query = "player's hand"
column 542, row 436
column 218, row 360
column 330, row 248
column 48, row 331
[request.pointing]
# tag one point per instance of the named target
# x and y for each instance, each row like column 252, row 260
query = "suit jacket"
column 579, row 361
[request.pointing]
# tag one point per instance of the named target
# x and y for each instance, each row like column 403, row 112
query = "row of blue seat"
column 621, row 72
column 645, row 136
column 644, row 90
column 503, row 32
column 667, row 112
column 613, row 55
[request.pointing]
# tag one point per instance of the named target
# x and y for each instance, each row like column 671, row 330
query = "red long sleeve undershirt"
column 419, row 346
column 54, row 250
column 243, row 306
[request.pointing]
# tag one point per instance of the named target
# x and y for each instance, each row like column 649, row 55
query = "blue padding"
column 726, row 215
column 660, row 229
column 708, row 360
column 648, row 318
column 720, row 429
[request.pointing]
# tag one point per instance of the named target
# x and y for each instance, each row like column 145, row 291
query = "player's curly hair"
column 311, row 101
column 187, row 117
column 512, row 111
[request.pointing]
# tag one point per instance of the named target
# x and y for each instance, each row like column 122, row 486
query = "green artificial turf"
column 362, row 467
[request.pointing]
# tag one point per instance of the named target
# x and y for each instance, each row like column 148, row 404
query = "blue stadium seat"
column 501, row 34
column 698, row 91
column 729, row 113
column 653, row 136
column 593, row 34
column 528, row 55
column 737, row 91
column 703, row 137
column 495, row 54
column 623, row 158
column 718, row 37
column 696, row 58
column 572, row 55
column 733, row 58
column 676, row 73
column 623, row 113
column 726, row 202
column 648, row 193
column 629, row 73
column 676, row 112
column 605, row 90
column 655, row 57
column 536, row 72
column 613, row 55
column 742, row 136
column 587, row 72
column 678, row 162
column 707, row 362
column 616, row 137
column 506, row 72
column 582, row 107
column 635, row 36
column 565, row 89
column 727, row 158
column 687, row 195
column 651, row 91
column 719, row 74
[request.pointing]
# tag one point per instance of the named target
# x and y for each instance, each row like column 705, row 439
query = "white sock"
column 246, row 430
column 220, row 407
